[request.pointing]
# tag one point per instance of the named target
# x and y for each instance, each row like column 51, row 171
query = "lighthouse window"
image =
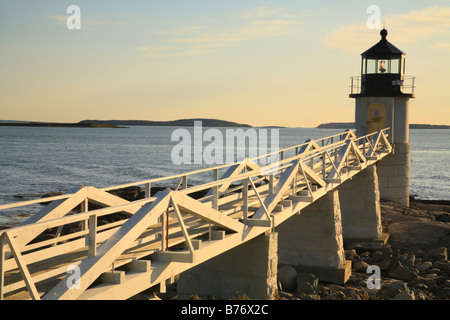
column 371, row 66
column 395, row 66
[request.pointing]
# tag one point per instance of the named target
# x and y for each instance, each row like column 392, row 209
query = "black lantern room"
column 382, row 71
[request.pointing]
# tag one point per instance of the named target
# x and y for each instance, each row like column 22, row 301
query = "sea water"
column 38, row 160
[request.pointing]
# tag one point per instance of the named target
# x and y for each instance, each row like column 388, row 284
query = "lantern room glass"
column 382, row 66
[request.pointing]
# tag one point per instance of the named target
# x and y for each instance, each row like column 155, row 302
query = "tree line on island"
column 182, row 123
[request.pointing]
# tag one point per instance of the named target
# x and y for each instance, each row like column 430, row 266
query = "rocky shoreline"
column 414, row 262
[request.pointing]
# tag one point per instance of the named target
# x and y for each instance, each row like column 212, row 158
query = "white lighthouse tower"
column 382, row 94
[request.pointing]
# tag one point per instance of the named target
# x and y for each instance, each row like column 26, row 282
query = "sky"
column 284, row 63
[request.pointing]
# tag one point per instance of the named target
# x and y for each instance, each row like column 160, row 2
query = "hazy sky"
column 282, row 63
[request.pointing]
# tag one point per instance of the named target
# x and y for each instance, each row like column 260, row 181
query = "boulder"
column 439, row 253
column 307, row 282
column 446, row 292
column 362, row 247
column 385, row 265
column 419, row 233
column 443, row 217
column 287, row 277
column 442, row 265
column 407, row 259
column 379, row 255
column 423, row 266
column 405, row 295
column 392, row 288
column 311, row 297
column 402, row 272
column 350, row 254
column 360, row 266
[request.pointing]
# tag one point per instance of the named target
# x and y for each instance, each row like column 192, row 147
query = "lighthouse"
column 382, row 96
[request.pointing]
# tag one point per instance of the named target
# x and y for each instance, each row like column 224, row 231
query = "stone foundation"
column 393, row 174
column 313, row 240
column 360, row 206
column 250, row 269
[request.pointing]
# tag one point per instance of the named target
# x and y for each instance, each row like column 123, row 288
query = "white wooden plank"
column 22, row 267
column 205, row 212
column 284, row 182
column 55, row 209
column 92, row 267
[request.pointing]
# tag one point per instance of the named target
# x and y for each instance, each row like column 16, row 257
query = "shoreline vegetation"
column 182, row 123
column 60, row 125
column 127, row 123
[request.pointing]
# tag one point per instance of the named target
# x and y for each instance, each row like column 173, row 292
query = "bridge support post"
column 360, row 206
column 313, row 242
column 249, row 269
column 393, row 172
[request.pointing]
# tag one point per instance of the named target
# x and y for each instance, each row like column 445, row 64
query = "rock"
column 366, row 247
column 405, row 295
column 129, row 193
column 407, row 259
column 445, row 242
column 386, row 248
column 447, row 283
column 425, row 284
column 420, row 286
column 446, row 291
column 335, row 288
column 380, row 256
column 285, row 295
column 357, row 277
column 362, row 284
column 385, row 265
column 339, row 295
column 352, row 293
column 360, row 266
column 443, row 217
column 323, row 289
column 392, row 289
column 443, row 265
column 433, row 271
column 365, row 255
column 307, row 282
column 419, row 233
column 423, row 266
column 311, row 297
column 419, row 253
column 287, row 277
column 350, row 254
column 402, row 272
column 439, row 253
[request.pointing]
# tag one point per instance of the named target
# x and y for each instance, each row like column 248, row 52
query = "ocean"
column 38, row 160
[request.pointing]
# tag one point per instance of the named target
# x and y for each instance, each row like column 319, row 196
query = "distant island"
column 351, row 125
column 59, row 125
column 173, row 123
column 124, row 123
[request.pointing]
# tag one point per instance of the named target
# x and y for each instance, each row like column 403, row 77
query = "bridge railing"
column 25, row 248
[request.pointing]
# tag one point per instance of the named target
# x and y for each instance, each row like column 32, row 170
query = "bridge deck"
column 170, row 232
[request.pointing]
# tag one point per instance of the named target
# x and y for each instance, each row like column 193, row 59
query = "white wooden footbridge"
column 60, row 254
